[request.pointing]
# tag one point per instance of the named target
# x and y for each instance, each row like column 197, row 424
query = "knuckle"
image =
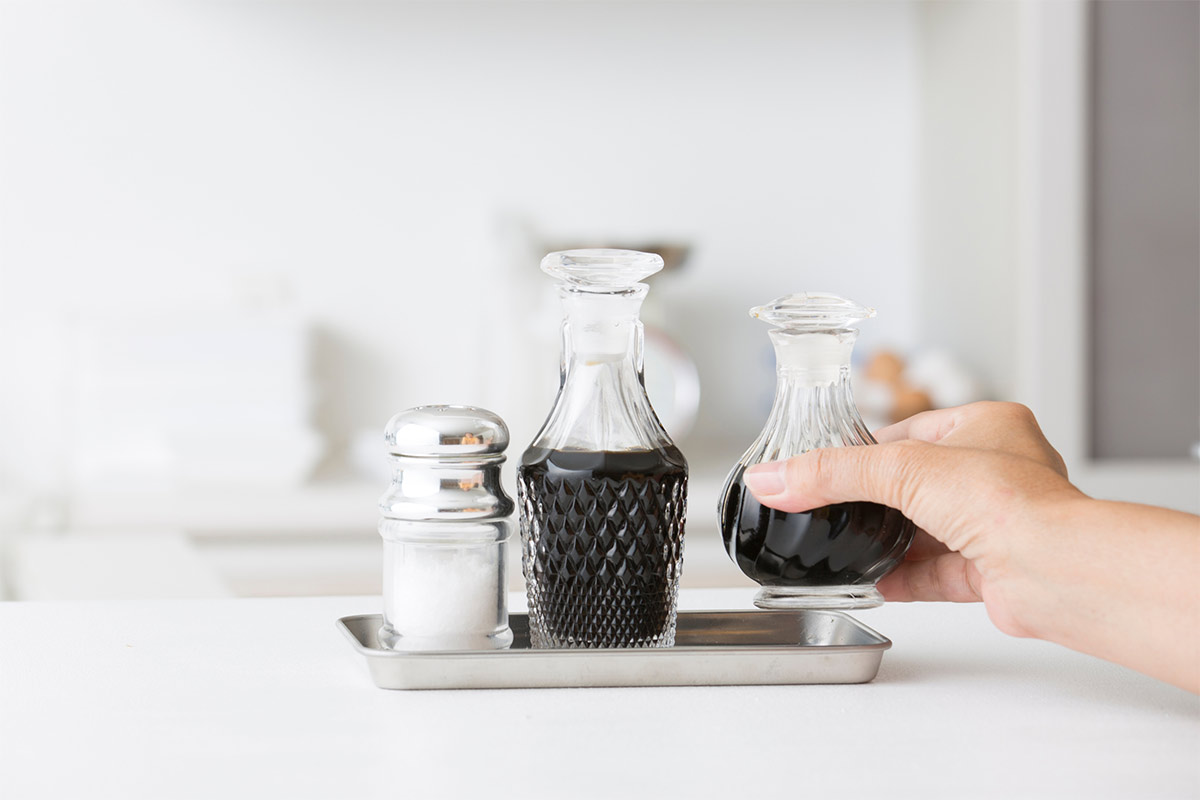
column 796, row 471
column 816, row 468
column 819, row 462
column 998, row 409
column 826, row 475
column 980, row 408
column 1018, row 412
column 1060, row 464
column 899, row 457
column 898, row 472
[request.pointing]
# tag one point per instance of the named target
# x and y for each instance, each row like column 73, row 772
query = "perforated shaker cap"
column 446, row 431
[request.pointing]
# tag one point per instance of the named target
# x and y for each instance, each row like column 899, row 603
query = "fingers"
column 948, row 577
column 946, row 491
column 1005, row 427
column 925, row 546
column 928, row 426
column 891, row 474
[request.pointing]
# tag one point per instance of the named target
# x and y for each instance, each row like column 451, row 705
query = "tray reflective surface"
column 712, row 648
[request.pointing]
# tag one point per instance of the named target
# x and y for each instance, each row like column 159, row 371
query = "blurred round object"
column 943, row 378
column 874, row 398
column 885, row 367
column 672, row 383
column 908, row 401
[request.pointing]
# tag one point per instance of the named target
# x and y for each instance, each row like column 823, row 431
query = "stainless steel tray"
column 712, row 648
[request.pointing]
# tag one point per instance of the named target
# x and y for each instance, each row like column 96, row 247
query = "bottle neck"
column 813, row 358
column 602, row 327
column 602, row 403
column 814, row 402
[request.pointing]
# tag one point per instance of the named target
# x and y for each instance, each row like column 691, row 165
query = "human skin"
column 999, row 522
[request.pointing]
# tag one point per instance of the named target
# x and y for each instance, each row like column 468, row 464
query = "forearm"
column 1115, row 580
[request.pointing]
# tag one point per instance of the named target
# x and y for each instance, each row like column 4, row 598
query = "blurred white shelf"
column 58, row 567
column 319, row 508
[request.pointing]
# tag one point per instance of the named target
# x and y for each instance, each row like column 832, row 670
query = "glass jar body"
column 443, row 585
column 828, row 557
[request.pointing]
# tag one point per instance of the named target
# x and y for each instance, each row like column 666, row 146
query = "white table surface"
column 265, row 698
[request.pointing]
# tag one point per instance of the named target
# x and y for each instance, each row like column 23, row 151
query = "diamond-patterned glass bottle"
column 602, row 489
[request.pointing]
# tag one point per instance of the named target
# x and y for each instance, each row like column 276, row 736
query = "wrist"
column 1039, row 565
column 1115, row 580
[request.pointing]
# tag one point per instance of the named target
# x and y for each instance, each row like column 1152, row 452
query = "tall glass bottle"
column 602, row 490
column 828, row 557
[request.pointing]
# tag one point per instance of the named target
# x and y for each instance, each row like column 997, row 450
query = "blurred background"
column 236, row 237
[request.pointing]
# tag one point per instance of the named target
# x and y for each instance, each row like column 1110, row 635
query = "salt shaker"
column 445, row 527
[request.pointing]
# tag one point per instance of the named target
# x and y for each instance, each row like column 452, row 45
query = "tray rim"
column 882, row 644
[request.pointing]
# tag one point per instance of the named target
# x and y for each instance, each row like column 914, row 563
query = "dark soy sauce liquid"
column 837, row 545
column 603, row 545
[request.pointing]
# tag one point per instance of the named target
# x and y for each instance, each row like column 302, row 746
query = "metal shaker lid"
column 440, row 431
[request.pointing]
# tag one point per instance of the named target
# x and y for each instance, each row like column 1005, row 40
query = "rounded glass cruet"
column 829, row 557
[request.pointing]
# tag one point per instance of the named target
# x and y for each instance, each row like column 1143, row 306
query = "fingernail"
column 765, row 480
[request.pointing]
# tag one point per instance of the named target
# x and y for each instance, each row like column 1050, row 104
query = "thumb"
column 908, row 475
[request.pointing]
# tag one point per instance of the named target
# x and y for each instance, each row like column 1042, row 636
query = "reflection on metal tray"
column 712, row 648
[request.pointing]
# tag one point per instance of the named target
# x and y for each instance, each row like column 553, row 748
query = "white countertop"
column 265, row 698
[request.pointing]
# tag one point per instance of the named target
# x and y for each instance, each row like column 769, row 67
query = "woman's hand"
column 1000, row 522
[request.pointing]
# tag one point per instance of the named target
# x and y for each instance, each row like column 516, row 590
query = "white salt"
column 445, row 596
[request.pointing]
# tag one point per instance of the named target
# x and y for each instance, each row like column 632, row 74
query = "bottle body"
column 602, row 489
column 602, row 545
column 828, row 557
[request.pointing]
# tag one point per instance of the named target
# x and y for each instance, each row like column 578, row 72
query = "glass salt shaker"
column 445, row 528
column 829, row 557
column 602, row 488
